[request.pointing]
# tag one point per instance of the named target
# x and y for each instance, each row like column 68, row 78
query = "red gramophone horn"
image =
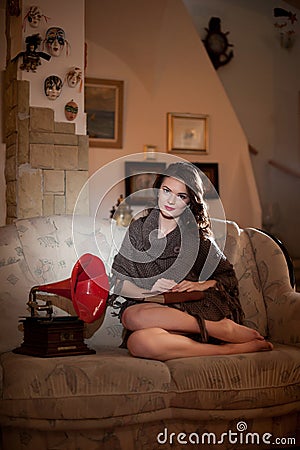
column 88, row 288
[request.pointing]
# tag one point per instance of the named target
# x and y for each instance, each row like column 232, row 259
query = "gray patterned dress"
column 178, row 258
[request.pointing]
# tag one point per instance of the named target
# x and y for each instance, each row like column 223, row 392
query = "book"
column 175, row 297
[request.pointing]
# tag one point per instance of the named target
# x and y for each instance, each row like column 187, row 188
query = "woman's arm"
column 129, row 289
column 190, row 286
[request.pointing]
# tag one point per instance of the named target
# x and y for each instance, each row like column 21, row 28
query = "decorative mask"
column 71, row 110
column 52, row 87
column 34, row 17
column 31, row 57
column 55, row 40
column 74, row 76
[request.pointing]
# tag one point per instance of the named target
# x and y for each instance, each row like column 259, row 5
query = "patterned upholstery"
column 114, row 401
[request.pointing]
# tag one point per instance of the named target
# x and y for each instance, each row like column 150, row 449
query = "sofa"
column 111, row 400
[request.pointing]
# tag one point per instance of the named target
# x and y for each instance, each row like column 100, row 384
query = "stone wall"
column 46, row 162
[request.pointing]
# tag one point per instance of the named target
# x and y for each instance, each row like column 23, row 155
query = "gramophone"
column 49, row 335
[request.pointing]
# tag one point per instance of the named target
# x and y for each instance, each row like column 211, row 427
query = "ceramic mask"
column 52, row 87
column 74, row 76
column 71, row 110
column 55, row 40
column 34, row 16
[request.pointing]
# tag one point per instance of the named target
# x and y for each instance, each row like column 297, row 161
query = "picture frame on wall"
column 140, row 176
column 211, row 172
column 104, row 109
column 187, row 133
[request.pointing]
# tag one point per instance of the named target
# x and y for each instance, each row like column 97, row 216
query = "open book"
column 175, row 297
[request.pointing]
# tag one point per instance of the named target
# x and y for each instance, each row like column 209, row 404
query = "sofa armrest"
column 284, row 318
column 282, row 303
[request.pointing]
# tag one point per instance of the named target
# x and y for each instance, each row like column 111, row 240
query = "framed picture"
column 104, row 109
column 211, row 170
column 140, row 176
column 187, row 133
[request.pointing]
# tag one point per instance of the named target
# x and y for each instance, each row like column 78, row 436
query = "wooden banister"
column 278, row 165
column 285, row 169
column 253, row 150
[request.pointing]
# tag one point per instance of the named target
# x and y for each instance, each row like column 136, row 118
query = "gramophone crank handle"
column 34, row 306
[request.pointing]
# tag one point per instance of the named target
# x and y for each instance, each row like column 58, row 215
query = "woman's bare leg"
column 156, row 343
column 152, row 315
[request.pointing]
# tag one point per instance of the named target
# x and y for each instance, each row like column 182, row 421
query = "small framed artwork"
column 104, row 109
column 211, row 170
column 139, row 180
column 187, row 133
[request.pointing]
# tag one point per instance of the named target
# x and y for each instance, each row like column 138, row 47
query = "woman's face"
column 173, row 197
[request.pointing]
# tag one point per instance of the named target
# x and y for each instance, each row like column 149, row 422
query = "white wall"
column 69, row 15
column 155, row 49
column 263, row 84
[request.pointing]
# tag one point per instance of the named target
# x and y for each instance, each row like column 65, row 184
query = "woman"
column 170, row 250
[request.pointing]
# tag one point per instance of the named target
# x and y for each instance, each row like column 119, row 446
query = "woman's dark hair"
column 190, row 176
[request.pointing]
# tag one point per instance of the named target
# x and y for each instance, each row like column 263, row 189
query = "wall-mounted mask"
column 52, row 87
column 31, row 57
column 74, row 76
column 55, row 41
column 71, row 110
column 34, row 17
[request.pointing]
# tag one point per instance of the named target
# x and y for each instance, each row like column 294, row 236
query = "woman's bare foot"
column 232, row 332
column 257, row 345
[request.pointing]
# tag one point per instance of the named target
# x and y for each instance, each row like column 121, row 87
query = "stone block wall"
column 46, row 162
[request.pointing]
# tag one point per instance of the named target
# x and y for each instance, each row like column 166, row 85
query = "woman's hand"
column 163, row 285
column 189, row 286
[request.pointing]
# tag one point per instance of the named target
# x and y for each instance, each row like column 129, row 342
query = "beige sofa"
column 110, row 400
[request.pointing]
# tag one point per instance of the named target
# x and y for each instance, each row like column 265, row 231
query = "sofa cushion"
column 48, row 247
column 243, row 381
column 113, row 384
column 109, row 384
